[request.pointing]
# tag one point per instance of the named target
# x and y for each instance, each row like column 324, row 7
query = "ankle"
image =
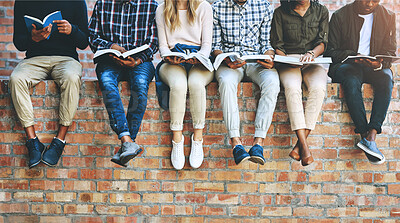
column 235, row 141
column 126, row 139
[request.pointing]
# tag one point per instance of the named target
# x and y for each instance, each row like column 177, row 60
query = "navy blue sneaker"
column 371, row 151
column 256, row 154
column 240, row 154
column 53, row 153
column 35, row 149
column 117, row 158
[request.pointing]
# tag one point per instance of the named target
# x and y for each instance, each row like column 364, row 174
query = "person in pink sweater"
column 185, row 26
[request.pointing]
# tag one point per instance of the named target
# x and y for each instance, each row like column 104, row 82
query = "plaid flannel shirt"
column 129, row 23
column 242, row 28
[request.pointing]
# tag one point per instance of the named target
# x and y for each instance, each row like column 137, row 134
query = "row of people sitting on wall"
column 298, row 27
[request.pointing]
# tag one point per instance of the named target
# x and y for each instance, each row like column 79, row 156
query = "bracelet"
column 312, row 53
column 379, row 68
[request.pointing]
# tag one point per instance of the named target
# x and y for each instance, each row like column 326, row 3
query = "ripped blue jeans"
column 139, row 77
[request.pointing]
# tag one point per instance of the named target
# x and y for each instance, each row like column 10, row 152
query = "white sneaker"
column 196, row 153
column 177, row 155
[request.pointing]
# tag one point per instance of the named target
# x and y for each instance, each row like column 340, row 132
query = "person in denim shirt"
column 131, row 24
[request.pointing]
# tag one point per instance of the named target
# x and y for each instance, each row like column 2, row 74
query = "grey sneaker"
column 371, row 151
column 117, row 158
column 128, row 151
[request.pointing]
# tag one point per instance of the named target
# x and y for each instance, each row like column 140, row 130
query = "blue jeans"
column 139, row 77
column 351, row 77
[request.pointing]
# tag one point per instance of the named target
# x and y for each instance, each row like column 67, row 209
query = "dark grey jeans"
column 351, row 77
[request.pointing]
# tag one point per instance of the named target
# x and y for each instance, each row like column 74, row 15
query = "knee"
column 271, row 85
column 351, row 83
column 16, row 79
column 178, row 87
column 71, row 77
column 195, row 86
column 227, row 84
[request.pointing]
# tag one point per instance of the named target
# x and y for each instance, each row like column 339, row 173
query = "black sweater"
column 58, row 44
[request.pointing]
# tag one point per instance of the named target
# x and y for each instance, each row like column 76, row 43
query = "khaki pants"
column 178, row 80
column 66, row 72
column 315, row 78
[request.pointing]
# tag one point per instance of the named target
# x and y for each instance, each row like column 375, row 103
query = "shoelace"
column 198, row 146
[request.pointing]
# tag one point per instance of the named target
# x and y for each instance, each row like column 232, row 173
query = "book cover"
column 29, row 20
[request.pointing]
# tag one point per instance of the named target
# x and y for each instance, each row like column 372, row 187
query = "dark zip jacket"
column 344, row 35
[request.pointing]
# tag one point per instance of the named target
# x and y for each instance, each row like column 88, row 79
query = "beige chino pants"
column 178, row 80
column 315, row 78
column 65, row 71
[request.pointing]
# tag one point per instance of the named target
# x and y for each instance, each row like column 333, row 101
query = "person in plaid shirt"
column 243, row 26
column 124, row 25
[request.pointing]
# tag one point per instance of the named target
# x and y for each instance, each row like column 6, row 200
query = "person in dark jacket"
column 364, row 27
column 48, row 56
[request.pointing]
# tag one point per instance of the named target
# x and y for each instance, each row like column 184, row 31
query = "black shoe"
column 35, row 149
column 53, row 153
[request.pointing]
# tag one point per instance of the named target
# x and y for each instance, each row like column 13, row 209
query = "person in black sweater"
column 49, row 55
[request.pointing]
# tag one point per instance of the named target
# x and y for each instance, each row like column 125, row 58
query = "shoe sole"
column 257, row 159
column 118, row 162
column 365, row 149
column 244, row 159
column 41, row 159
column 127, row 158
column 378, row 162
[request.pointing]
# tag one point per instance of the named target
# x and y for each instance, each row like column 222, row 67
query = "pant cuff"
column 233, row 133
column 27, row 124
column 65, row 123
column 198, row 126
column 123, row 134
column 259, row 133
column 176, row 127
column 297, row 127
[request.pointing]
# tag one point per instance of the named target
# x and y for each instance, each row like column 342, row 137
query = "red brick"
column 144, row 210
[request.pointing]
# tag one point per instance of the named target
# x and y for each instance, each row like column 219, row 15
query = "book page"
column 105, row 51
column 135, row 51
column 221, row 57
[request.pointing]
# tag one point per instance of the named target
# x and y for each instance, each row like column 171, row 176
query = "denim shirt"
column 162, row 90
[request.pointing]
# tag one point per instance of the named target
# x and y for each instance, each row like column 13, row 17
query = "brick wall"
column 340, row 186
column 10, row 56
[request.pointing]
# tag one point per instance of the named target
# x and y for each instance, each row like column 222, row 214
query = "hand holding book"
column 174, row 60
column 374, row 64
column 63, row 26
column 40, row 34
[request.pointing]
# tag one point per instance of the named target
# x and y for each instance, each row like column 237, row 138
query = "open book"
column 233, row 56
column 203, row 59
column 296, row 60
column 119, row 54
column 29, row 20
column 350, row 59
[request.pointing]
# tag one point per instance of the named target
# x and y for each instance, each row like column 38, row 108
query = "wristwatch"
column 312, row 53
